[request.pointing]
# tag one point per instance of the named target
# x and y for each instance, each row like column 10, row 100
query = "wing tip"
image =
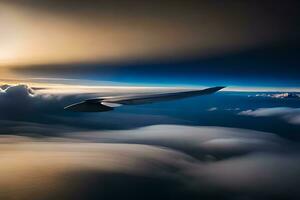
column 214, row 89
column 220, row 87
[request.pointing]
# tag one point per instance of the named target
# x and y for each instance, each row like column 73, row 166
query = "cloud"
column 24, row 110
column 63, row 170
column 286, row 95
column 232, row 109
column 291, row 115
column 166, row 159
column 17, row 98
column 254, row 176
column 3, row 87
column 154, row 162
column 199, row 141
column 21, row 105
column 212, row 109
column 16, row 91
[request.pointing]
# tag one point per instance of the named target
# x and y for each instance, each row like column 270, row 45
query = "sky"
column 241, row 44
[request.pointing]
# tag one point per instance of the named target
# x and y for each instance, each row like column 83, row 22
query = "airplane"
column 107, row 104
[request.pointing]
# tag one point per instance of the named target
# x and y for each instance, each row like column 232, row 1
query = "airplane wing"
column 107, row 104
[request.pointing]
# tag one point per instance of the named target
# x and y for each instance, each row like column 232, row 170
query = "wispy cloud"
column 291, row 115
column 285, row 95
column 212, row 109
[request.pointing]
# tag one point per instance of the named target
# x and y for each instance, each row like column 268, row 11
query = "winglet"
column 213, row 89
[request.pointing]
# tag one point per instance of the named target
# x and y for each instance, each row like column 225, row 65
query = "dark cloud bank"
column 165, row 161
column 161, row 162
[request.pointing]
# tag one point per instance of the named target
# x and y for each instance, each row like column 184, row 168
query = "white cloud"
column 203, row 140
column 285, row 95
column 291, row 115
column 232, row 109
column 212, row 109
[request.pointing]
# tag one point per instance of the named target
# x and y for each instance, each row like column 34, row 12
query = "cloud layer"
column 77, row 159
column 168, row 162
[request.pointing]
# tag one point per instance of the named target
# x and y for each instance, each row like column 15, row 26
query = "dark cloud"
column 4, row 87
column 151, row 163
column 192, row 8
column 19, row 100
column 24, row 110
